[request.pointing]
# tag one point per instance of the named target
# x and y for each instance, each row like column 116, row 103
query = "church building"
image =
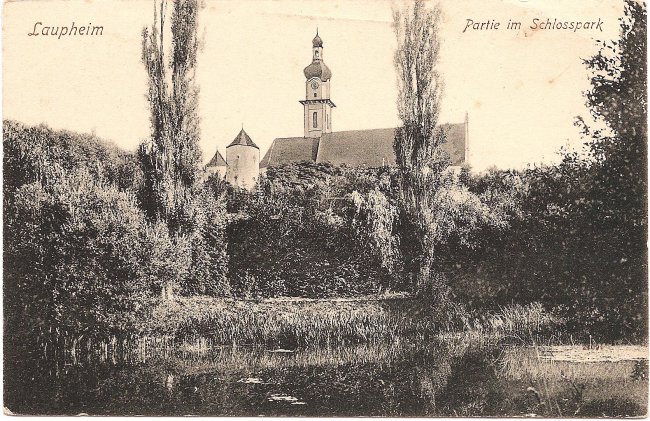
column 369, row 148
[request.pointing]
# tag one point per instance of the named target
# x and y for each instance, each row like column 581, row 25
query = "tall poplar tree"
column 418, row 139
column 171, row 157
column 173, row 195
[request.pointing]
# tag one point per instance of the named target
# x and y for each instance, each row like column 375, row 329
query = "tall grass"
column 524, row 323
column 276, row 322
column 304, row 322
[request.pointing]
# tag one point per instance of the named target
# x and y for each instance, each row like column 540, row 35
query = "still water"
column 451, row 377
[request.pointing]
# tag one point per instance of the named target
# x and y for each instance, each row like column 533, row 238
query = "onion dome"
column 317, row 42
column 318, row 69
column 242, row 139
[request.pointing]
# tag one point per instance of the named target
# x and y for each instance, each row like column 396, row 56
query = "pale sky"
column 521, row 88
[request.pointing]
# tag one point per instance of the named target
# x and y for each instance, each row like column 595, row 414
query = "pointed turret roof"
column 217, row 161
column 242, row 139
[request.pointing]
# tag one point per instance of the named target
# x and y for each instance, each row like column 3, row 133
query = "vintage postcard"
column 398, row 208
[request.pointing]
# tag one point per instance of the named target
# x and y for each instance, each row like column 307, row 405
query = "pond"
column 446, row 377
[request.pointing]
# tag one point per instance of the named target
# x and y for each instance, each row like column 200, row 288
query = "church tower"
column 317, row 103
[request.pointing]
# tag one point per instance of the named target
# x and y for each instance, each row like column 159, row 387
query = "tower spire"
column 317, row 103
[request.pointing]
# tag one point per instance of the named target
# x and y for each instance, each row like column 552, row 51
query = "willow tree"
column 418, row 139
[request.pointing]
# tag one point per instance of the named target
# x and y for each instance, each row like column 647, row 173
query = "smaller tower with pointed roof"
column 317, row 104
column 243, row 161
column 217, row 165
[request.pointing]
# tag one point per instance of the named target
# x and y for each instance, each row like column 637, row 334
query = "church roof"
column 290, row 149
column 356, row 148
column 242, row 139
column 374, row 148
column 217, row 161
column 369, row 148
column 456, row 145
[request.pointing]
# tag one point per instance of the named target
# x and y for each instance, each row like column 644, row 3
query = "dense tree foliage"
column 435, row 207
column 418, row 139
column 556, row 253
column 32, row 153
column 579, row 231
column 618, row 144
column 72, row 232
column 313, row 230
column 321, row 230
column 171, row 157
column 79, row 253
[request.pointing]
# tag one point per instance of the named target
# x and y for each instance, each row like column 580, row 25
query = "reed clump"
column 297, row 322
column 301, row 322
column 516, row 319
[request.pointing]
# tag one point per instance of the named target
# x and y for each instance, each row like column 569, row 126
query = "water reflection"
column 440, row 378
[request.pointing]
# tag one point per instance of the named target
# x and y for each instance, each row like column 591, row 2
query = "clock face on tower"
column 314, row 85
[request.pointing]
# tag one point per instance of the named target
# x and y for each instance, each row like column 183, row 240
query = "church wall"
column 243, row 166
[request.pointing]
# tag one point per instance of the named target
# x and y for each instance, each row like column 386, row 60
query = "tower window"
column 314, row 94
column 315, row 118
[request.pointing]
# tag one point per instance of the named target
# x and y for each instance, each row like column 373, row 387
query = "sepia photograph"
column 337, row 208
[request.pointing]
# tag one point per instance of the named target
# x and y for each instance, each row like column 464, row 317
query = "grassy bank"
column 304, row 322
